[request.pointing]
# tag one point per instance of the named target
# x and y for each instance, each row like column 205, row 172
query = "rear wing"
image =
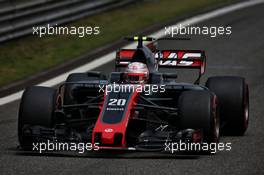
column 192, row 59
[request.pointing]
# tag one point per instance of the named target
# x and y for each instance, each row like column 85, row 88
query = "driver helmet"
column 136, row 73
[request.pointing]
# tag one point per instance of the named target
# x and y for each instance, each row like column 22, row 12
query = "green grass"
column 29, row 55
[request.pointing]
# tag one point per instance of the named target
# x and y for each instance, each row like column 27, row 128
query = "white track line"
column 110, row 56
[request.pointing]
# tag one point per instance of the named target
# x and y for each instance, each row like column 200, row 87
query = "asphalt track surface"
column 239, row 54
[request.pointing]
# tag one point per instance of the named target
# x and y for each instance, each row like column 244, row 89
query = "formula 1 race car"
column 137, row 107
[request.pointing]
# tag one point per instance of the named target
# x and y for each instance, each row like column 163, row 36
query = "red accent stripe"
column 119, row 128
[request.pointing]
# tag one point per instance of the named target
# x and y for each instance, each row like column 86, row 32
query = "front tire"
column 37, row 107
column 198, row 110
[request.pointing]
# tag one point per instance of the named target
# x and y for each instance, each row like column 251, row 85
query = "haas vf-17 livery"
column 137, row 107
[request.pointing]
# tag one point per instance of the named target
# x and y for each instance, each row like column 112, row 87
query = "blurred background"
column 26, row 56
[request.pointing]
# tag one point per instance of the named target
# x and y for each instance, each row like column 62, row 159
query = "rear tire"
column 198, row 110
column 233, row 96
column 37, row 107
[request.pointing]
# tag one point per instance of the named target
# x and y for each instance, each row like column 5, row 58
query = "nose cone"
column 108, row 136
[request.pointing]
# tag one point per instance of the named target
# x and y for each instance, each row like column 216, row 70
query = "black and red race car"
column 136, row 110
